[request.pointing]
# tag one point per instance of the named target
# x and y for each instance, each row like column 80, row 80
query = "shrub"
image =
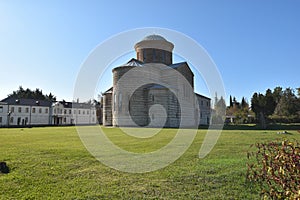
column 275, row 166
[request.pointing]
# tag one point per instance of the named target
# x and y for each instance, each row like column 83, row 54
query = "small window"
column 33, row 110
column 83, row 112
column 65, row 120
column 46, row 110
column 12, row 109
column 11, row 120
column 40, row 110
column 74, row 111
column 19, row 109
column 1, row 109
column 152, row 97
column 65, row 111
column 0, row 120
column 79, row 112
column 70, row 111
column 87, row 112
column 27, row 110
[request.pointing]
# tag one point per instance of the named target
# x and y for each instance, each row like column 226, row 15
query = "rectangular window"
column 74, row 111
column 46, row 110
column 65, row 111
column 40, row 110
column 65, row 120
column 26, row 110
column 1, row 109
column 87, row 112
column 70, row 111
column 0, row 120
column 19, row 109
column 11, row 120
column 12, row 109
column 79, row 112
column 83, row 112
column 33, row 110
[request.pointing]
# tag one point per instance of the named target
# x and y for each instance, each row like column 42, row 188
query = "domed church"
column 167, row 100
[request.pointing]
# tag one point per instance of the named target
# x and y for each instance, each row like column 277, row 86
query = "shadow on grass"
column 258, row 127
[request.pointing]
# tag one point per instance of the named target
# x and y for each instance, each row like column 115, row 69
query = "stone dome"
column 154, row 37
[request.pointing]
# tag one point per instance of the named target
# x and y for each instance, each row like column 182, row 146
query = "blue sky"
column 255, row 44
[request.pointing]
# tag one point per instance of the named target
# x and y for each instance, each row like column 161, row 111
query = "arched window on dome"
column 154, row 55
column 163, row 56
column 144, row 55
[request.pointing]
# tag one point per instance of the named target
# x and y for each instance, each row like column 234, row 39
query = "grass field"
column 52, row 163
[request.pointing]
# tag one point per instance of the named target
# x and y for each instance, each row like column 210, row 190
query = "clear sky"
column 255, row 44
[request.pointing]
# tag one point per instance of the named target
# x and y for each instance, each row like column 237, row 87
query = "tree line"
column 276, row 106
column 32, row 94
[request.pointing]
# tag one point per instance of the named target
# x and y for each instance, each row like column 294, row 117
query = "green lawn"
column 52, row 163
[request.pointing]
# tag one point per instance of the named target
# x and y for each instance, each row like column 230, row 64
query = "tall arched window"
column 115, row 101
column 120, row 102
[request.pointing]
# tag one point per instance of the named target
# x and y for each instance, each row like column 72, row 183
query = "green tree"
column 30, row 94
column 230, row 101
column 277, row 94
column 287, row 105
column 270, row 103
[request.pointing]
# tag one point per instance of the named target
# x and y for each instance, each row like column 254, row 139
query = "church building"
column 126, row 105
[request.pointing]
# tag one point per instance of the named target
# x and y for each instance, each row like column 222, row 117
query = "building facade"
column 31, row 112
column 66, row 113
column 170, row 87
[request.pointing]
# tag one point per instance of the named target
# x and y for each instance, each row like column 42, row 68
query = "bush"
column 275, row 166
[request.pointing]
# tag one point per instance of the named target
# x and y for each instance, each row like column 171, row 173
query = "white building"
column 28, row 112
column 22, row 112
column 66, row 113
column 3, row 113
